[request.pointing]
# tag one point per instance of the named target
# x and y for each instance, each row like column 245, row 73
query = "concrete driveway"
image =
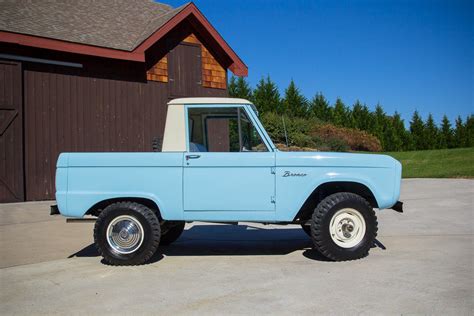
column 426, row 267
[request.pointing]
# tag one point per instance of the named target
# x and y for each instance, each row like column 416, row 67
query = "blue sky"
column 406, row 55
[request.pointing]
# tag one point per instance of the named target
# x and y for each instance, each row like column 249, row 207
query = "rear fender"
column 88, row 203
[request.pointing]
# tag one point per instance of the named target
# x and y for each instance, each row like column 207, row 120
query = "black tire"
column 151, row 233
column 171, row 231
column 320, row 226
column 306, row 229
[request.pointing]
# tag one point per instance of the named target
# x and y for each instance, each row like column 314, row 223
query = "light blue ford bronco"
column 218, row 164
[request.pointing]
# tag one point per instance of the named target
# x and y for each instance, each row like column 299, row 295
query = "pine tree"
column 361, row 117
column 391, row 141
column 402, row 136
column 417, row 132
column 266, row 96
column 470, row 131
column 431, row 133
column 380, row 124
column 340, row 113
column 446, row 134
column 294, row 103
column 459, row 134
column 232, row 87
column 239, row 88
column 366, row 118
column 356, row 115
column 319, row 108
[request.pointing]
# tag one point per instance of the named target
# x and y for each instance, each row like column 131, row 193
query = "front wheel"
column 127, row 233
column 344, row 227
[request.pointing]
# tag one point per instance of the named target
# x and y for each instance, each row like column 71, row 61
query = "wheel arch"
column 99, row 206
column 327, row 188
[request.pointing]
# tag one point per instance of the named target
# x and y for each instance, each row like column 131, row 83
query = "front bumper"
column 398, row 207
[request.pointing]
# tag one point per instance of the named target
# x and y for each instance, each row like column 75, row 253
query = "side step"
column 80, row 220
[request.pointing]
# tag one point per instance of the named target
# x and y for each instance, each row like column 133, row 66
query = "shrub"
column 301, row 140
column 341, row 139
column 297, row 128
column 311, row 134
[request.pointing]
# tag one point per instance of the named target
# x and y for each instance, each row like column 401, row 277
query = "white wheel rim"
column 347, row 228
column 125, row 234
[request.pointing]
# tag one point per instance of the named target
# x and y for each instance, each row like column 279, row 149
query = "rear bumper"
column 54, row 210
column 398, row 207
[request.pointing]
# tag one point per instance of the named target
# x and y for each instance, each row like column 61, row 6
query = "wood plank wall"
column 11, row 133
column 75, row 110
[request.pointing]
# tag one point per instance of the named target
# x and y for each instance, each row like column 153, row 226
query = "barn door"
column 184, row 70
column 11, row 133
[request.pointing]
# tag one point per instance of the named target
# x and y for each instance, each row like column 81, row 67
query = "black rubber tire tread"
column 306, row 229
column 320, row 226
column 173, row 233
column 151, row 227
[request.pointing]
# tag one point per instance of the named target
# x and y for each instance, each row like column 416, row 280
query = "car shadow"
column 231, row 240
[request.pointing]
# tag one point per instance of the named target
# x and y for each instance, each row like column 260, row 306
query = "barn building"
column 96, row 76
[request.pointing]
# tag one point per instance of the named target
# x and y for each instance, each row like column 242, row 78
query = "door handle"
column 192, row 157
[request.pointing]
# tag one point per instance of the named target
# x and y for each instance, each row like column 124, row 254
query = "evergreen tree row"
column 389, row 129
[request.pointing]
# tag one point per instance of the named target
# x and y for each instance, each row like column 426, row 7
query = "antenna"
column 284, row 128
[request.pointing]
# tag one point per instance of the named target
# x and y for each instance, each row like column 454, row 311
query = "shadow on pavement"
column 231, row 240
column 227, row 240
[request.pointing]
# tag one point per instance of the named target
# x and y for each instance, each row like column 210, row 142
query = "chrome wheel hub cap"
column 347, row 228
column 125, row 234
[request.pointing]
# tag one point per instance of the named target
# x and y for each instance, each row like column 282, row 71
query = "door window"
column 227, row 129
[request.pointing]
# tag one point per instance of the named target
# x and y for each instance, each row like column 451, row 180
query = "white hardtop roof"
column 209, row 101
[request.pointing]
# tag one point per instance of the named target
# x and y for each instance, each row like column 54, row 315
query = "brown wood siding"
column 213, row 75
column 103, row 107
column 159, row 71
column 184, row 70
column 11, row 133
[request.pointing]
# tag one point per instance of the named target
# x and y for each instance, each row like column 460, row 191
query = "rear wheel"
column 127, row 233
column 171, row 231
column 344, row 227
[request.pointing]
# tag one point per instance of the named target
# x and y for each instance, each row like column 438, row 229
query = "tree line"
column 389, row 129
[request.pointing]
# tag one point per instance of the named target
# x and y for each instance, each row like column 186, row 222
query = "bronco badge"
column 290, row 174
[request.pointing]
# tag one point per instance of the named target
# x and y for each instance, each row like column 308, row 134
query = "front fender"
column 292, row 192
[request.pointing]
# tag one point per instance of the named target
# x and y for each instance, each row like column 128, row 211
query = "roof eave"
column 58, row 45
column 237, row 67
column 138, row 54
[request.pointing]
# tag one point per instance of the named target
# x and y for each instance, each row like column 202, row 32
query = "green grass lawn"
column 441, row 163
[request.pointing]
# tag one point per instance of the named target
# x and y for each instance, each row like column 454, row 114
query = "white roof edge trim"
column 209, row 101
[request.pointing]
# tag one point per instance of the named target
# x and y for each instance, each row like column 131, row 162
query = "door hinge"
column 272, row 170
column 272, row 199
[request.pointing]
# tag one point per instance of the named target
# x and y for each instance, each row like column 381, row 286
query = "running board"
column 80, row 220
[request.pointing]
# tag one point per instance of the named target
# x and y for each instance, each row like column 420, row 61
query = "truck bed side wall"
column 94, row 177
